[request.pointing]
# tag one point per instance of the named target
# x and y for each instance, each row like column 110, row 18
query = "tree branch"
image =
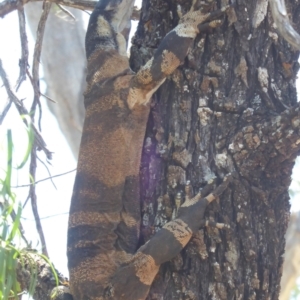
column 32, row 170
column 44, row 179
column 23, row 63
column 22, row 111
column 10, row 5
column 45, row 281
column 36, row 101
column 36, row 60
column 5, row 111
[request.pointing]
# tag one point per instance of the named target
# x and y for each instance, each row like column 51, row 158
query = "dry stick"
column 49, row 173
column 47, row 97
column 36, row 60
column 13, row 98
column 36, row 101
column 32, row 170
column 47, row 217
column 23, row 111
column 44, row 179
column 5, row 111
column 68, row 13
column 41, row 94
column 23, row 63
column 11, row 5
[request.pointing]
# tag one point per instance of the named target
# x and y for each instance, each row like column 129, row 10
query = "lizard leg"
column 133, row 280
column 169, row 55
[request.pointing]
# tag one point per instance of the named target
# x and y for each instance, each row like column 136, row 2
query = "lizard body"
column 105, row 211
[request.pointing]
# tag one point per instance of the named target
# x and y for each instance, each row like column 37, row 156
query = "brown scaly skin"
column 104, row 221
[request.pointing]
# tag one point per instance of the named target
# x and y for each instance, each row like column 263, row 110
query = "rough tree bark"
column 231, row 106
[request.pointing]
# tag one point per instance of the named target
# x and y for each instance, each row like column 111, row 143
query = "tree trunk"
column 230, row 107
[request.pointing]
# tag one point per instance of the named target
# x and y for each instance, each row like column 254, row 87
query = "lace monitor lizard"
column 104, row 220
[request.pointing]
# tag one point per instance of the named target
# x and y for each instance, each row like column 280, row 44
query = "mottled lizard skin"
column 104, row 220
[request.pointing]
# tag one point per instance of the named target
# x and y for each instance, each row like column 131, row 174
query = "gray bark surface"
column 230, row 107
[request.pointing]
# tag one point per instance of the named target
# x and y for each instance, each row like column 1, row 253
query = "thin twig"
column 23, row 63
column 41, row 94
column 44, row 179
column 23, row 111
column 47, row 171
column 35, row 102
column 32, row 170
column 67, row 12
column 5, row 111
column 11, row 95
column 36, row 59
column 48, row 98
column 11, row 5
column 8, row 6
column 47, row 217
column 25, row 202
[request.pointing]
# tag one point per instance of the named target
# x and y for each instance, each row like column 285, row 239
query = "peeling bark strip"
column 105, row 209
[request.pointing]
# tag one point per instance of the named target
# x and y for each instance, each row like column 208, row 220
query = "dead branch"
column 23, row 63
column 32, row 170
column 49, row 173
column 45, row 281
column 5, row 111
column 67, row 12
column 44, row 179
column 283, row 24
column 10, row 5
column 23, row 111
column 36, row 60
column 35, row 103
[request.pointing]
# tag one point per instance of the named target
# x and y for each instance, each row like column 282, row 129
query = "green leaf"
column 7, row 181
column 7, row 287
column 30, row 134
column 51, row 266
column 33, row 273
column 16, row 224
column 4, row 231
